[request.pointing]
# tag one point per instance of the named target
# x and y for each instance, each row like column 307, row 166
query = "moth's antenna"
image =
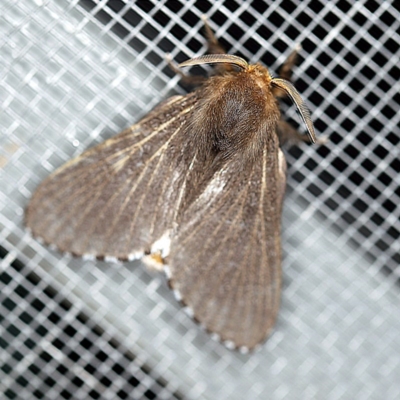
column 215, row 59
column 301, row 106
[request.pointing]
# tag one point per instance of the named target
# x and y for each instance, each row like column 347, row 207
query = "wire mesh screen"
column 75, row 73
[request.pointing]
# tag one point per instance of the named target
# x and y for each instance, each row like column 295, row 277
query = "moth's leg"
column 286, row 70
column 214, row 47
column 288, row 134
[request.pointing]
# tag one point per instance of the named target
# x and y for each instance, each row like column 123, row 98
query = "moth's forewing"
column 117, row 198
column 225, row 258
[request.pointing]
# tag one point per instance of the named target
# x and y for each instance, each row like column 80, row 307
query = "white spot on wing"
column 215, row 186
column 88, row 257
column 162, row 245
column 167, row 272
column 188, row 311
column 244, row 350
column 177, row 295
column 135, row 256
column 111, row 259
column 216, row 337
column 229, row 344
column 53, row 247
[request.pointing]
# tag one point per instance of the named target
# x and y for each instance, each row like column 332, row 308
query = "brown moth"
column 197, row 185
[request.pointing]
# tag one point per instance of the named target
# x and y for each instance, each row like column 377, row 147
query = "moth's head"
column 262, row 76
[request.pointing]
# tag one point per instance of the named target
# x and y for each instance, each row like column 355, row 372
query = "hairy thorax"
column 237, row 114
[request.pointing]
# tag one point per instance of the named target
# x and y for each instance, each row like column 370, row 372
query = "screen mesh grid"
column 74, row 73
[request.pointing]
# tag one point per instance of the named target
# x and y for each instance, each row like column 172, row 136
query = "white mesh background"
column 73, row 73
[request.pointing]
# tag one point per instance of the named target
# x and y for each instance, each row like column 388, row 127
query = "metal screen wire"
column 75, row 73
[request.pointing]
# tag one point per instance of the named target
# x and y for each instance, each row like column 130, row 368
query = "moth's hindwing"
column 117, row 198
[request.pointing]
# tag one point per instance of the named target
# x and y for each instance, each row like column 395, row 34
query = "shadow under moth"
column 195, row 188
